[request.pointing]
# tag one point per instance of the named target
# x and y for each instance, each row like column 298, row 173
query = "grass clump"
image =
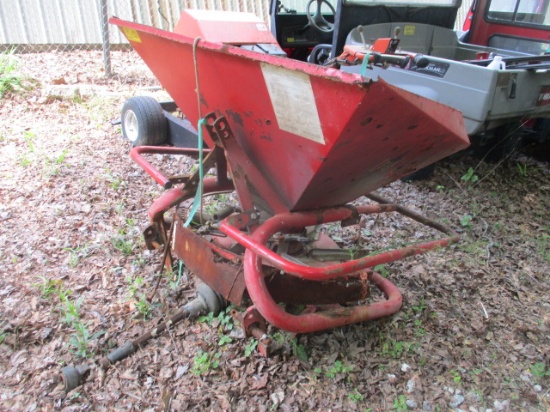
column 81, row 338
column 11, row 79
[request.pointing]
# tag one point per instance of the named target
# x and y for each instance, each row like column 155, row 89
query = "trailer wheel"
column 143, row 122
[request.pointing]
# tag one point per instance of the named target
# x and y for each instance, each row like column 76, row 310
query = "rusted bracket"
column 218, row 128
column 208, row 162
column 354, row 219
column 244, row 220
column 254, row 325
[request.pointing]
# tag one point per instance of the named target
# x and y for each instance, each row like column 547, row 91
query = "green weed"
column 470, row 176
column 61, row 157
column 381, row 269
column 420, row 307
column 204, row 362
column 419, row 330
column 25, row 161
column 466, row 221
column 291, row 343
column 395, row 349
column 400, row 403
column 77, row 98
column 175, row 278
column 124, row 245
column 114, row 181
column 522, row 169
column 216, row 202
column 250, row 347
column 208, row 319
column 543, row 246
column 29, row 138
column 80, row 340
column 355, row 396
column 456, row 376
column 539, row 370
column 135, row 285
column 73, row 259
column 75, row 254
column 224, row 340
column 55, row 162
column 70, row 311
column 338, row 368
column 299, row 350
column 10, row 78
column 120, row 208
column 3, row 333
column 475, row 249
column 225, row 319
column 49, row 287
column 144, row 307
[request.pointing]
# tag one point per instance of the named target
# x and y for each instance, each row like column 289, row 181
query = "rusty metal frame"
column 288, row 222
column 324, row 317
column 246, row 229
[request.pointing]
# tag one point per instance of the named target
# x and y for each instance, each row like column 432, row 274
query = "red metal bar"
column 175, row 196
column 313, row 322
column 226, row 254
column 136, row 154
column 292, row 221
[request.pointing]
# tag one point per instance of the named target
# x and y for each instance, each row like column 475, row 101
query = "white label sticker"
column 293, row 102
column 261, row 26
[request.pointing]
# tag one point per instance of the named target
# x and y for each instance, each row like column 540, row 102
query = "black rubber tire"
column 422, row 174
column 143, row 122
column 498, row 144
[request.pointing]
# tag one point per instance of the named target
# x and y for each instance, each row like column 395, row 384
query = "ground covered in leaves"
column 473, row 333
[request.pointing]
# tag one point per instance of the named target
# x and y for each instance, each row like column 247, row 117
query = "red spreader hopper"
column 297, row 142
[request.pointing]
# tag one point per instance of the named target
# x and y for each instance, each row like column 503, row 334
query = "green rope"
column 198, row 195
column 365, row 64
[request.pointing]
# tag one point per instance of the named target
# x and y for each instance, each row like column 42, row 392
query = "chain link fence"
column 65, row 25
column 39, row 25
column 43, row 26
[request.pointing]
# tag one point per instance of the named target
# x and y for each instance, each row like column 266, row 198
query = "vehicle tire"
column 422, row 174
column 143, row 122
column 498, row 144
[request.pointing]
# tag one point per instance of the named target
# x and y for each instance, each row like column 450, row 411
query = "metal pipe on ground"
column 206, row 301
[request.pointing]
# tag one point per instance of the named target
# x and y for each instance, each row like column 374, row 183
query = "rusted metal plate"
column 290, row 289
column 225, row 278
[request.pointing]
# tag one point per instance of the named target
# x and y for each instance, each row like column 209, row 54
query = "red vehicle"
column 510, row 24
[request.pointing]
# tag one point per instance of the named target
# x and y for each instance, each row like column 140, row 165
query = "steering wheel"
column 317, row 20
column 320, row 54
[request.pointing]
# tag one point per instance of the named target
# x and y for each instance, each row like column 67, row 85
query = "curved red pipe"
column 292, row 221
column 317, row 321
